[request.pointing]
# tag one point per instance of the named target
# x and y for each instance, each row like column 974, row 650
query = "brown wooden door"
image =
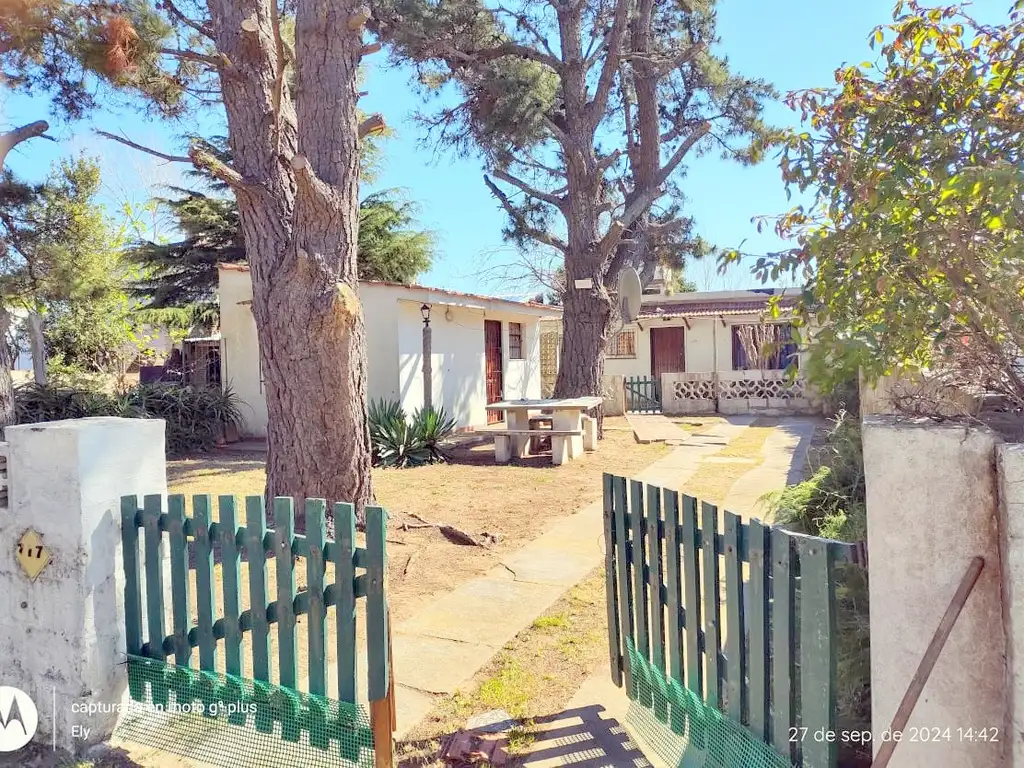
column 493, row 367
column 667, row 351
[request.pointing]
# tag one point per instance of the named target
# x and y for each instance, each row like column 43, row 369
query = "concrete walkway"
column 442, row 646
column 655, row 428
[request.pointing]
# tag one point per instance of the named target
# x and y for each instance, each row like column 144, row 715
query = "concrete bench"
column 509, row 441
column 589, row 433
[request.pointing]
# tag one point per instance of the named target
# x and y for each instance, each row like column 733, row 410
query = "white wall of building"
column 707, row 342
column 394, row 335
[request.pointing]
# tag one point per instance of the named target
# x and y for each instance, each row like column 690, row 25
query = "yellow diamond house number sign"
column 33, row 556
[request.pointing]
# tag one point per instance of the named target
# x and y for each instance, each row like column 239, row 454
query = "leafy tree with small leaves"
column 911, row 249
column 584, row 113
column 59, row 258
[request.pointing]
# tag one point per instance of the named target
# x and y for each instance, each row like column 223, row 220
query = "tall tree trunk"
column 38, row 345
column 298, row 203
column 6, row 365
column 10, row 139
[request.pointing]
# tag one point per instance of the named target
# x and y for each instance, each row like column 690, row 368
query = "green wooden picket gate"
column 643, row 394
column 759, row 646
column 360, row 573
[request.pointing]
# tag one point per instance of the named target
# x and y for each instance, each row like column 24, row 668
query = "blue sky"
column 792, row 43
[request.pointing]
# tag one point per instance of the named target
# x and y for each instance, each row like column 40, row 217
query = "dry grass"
column 514, row 502
column 535, row 674
column 712, row 481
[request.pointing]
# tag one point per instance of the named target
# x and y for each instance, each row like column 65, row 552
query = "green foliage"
column 60, row 257
column 911, row 251
column 832, row 504
column 183, row 274
column 400, row 442
column 195, row 417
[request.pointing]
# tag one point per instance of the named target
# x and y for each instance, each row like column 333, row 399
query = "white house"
column 483, row 349
column 690, row 347
column 684, row 354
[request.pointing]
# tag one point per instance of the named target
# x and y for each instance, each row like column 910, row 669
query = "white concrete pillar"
column 931, row 507
column 62, row 635
column 1010, row 468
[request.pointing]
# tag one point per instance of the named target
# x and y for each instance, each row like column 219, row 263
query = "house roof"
column 555, row 310
column 712, row 308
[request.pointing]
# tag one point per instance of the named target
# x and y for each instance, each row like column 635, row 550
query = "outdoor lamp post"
column 428, row 399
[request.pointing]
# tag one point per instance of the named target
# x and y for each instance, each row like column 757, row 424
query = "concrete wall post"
column 931, row 506
column 62, row 635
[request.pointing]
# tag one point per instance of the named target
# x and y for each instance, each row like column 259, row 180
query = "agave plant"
column 432, row 426
column 400, row 442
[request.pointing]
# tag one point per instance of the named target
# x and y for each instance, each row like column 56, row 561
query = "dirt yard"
column 513, row 502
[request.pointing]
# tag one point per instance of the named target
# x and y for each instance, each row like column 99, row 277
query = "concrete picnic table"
column 567, row 427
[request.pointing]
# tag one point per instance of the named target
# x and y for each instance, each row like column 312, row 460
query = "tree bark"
column 7, row 416
column 38, row 345
column 10, row 139
column 298, row 203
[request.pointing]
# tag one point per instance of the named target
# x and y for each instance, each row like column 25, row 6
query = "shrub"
column 831, row 504
column 398, row 442
column 195, row 417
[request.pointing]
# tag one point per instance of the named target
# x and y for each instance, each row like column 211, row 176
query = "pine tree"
column 584, row 113
column 294, row 136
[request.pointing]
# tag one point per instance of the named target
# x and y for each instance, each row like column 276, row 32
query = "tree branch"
column 485, row 55
column 174, row 11
column 13, row 138
column 684, row 57
column 213, row 61
column 647, row 196
column 531, row 191
column 278, row 93
column 613, row 44
column 522, row 21
column 520, row 221
column 147, row 150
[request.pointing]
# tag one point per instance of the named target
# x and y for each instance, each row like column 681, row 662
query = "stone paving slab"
column 489, row 610
column 565, row 553
column 655, row 428
column 785, row 456
column 434, row 664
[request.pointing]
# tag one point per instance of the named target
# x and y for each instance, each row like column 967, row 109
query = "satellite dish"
column 630, row 292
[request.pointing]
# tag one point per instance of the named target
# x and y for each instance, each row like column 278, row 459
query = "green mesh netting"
column 229, row 721
column 684, row 731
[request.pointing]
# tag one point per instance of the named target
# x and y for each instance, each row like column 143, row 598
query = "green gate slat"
column 316, row 613
column 817, row 652
column 284, row 560
column 757, row 545
column 640, row 593
column 152, row 505
column 132, row 577
column 625, row 582
column 692, row 594
column 736, row 686
column 181, row 616
column 231, row 572
column 376, row 603
column 657, row 604
column 255, row 533
column 783, row 608
column 345, row 604
column 206, row 600
column 674, row 628
column 615, row 651
column 712, row 604
column 654, row 546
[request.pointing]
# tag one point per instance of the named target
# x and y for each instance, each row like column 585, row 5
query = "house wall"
column 394, row 336
column 708, row 345
column 239, row 350
column 457, row 359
